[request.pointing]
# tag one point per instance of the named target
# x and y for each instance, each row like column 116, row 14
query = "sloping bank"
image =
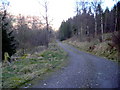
column 104, row 49
column 28, row 70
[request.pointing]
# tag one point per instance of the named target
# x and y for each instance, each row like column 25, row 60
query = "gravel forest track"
column 83, row 71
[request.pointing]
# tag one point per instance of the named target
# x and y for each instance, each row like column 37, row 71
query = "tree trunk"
column 102, row 28
column 47, row 25
column 118, row 47
column 116, row 17
column 47, row 32
column 95, row 25
column 81, row 32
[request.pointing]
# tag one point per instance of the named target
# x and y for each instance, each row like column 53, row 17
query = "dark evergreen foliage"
column 65, row 31
column 83, row 24
column 8, row 41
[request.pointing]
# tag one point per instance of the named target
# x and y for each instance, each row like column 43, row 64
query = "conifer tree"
column 8, row 41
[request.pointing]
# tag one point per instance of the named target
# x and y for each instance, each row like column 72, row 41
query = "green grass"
column 26, row 70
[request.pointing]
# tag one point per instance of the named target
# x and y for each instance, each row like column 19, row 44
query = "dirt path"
column 83, row 71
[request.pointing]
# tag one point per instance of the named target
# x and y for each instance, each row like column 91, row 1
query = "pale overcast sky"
column 58, row 10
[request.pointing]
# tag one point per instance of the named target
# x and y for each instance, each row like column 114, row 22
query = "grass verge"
column 22, row 72
column 100, row 49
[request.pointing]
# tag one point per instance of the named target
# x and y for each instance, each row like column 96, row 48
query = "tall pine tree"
column 8, row 41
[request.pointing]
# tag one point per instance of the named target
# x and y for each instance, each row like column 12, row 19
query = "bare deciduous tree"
column 47, row 22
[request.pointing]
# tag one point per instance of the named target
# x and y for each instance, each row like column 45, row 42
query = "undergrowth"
column 30, row 67
column 95, row 47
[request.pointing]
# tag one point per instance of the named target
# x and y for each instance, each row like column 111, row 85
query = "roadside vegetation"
column 104, row 49
column 0, row 75
column 32, row 66
column 28, row 48
column 94, row 29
